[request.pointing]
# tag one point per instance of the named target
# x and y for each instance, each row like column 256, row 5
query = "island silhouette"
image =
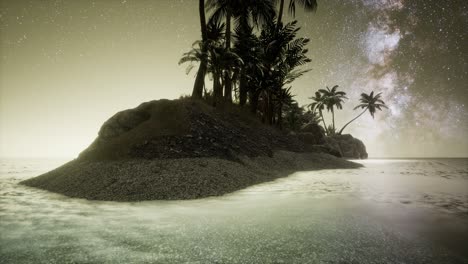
column 246, row 130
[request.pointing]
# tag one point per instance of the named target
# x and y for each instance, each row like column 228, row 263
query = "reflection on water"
column 391, row 211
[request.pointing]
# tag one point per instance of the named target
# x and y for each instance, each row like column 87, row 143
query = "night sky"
column 66, row 66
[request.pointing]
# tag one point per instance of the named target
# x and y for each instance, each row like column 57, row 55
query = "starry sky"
column 66, row 66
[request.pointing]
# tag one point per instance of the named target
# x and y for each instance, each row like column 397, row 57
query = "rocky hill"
column 183, row 149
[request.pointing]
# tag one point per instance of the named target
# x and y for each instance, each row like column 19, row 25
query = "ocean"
column 389, row 211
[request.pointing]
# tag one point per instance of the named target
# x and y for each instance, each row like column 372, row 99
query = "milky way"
column 406, row 46
column 412, row 52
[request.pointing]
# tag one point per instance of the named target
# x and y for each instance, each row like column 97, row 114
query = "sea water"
column 389, row 211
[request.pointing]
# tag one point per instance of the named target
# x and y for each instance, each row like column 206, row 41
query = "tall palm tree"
column 197, row 91
column 246, row 13
column 333, row 98
column 281, row 56
column 223, row 9
column 282, row 98
column 293, row 116
column 247, row 47
column 309, row 5
column 318, row 105
column 369, row 102
column 222, row 61
column 249, row 13
column 218, row 59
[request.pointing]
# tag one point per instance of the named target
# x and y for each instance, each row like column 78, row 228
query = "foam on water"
column 390, row 211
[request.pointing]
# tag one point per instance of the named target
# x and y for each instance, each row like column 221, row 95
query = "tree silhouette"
column 318, row 105
column 197, row 92
column 247, row 14
column 223, row 9
column 218, row 60
column 309, row 5
column 333, row 98
column 369, row 102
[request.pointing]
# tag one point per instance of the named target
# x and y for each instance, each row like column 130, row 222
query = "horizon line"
column 384, row 157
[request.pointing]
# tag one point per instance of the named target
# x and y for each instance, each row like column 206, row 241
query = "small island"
column 186, row 149
column 234, row 131
column 245, row 130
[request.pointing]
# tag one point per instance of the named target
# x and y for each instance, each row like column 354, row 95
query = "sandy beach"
column 389, row 211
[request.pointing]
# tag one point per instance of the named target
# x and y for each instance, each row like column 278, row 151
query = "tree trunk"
column 280, row 15
column 227, row 87
column 280, row 116
column 341, row 131
column 197, row 91
column 217, row 89
column 227, row 74
column 254, row 102
column 242, row 87
column 333, row 120
column 323, row 120
column 271, row 116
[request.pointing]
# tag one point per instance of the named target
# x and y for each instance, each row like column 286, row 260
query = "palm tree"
column 246, row 11
column 222, row 61
column 247, row 47
column 224, row 10
column 333, row 98
column 318, row 105
column 282, row 98
column 311, row 117
column 206, row 51
column 369, row 102
column 197, row 91
column 217, row 58
column 280, row 55
column 293, row 116
column 309, row 5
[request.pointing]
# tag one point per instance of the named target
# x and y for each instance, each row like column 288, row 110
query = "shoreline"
column 132, row 180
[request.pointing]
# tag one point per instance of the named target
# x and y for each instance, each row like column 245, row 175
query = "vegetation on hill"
column 186, row 128
column 331, row 98
column 252, row 58
column 265, row 58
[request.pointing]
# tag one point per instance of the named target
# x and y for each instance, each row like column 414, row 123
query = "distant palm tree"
column 369, row 102
column 333, row 98
column 309, row 5
column 318, row 105
column 197, row 91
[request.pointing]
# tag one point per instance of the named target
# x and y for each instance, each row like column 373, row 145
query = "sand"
column 176, row 179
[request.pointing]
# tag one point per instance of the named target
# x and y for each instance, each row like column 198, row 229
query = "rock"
column 348, row 146
column 324, row 149
column 310, row 138
column 122, row 122
column 313, row 128
column 312, row 134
